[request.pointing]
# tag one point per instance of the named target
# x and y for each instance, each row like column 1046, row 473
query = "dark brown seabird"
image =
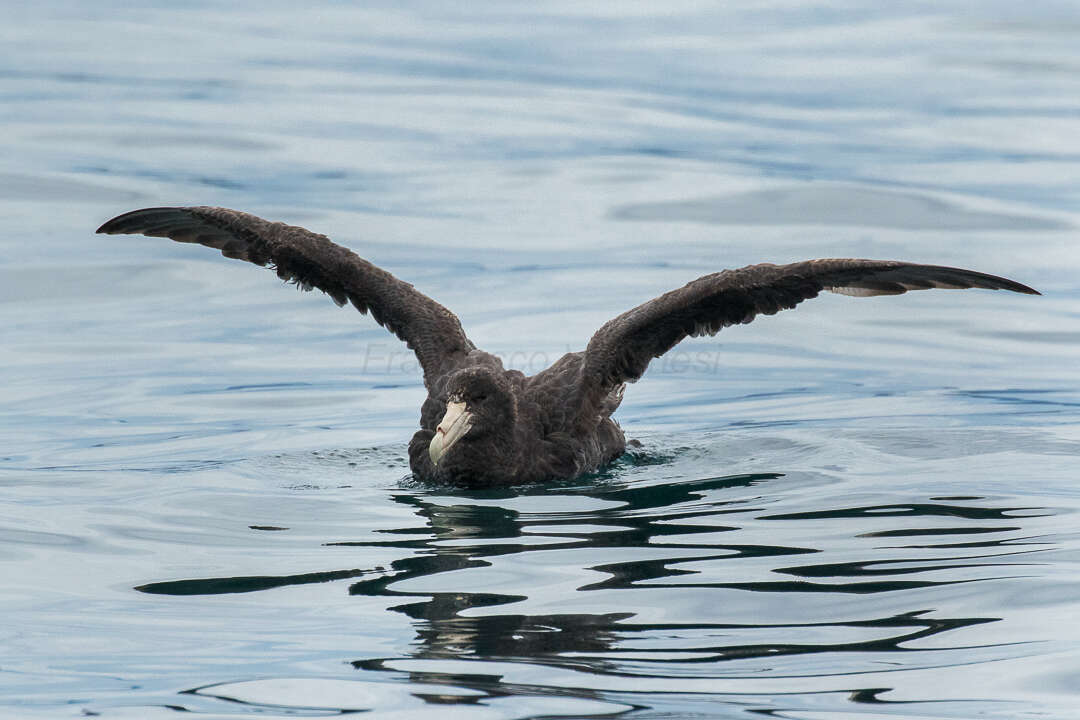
column 483, row 425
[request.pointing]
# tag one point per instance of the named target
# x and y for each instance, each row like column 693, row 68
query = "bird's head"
column 479, row 422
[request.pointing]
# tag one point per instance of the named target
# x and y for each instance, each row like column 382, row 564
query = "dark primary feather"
column 620, row 351
column 312, row 260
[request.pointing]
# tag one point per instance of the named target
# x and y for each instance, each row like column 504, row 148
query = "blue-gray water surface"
column 863, row 508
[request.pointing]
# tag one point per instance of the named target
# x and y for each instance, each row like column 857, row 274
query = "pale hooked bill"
column 455, row 423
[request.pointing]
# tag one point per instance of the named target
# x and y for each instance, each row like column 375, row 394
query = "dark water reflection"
column 810, row 616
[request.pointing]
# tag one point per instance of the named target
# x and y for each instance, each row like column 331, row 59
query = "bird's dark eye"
column 481, row 397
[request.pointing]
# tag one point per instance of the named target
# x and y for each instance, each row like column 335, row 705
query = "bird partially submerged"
column 484, row 425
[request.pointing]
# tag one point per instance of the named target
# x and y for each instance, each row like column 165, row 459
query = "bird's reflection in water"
column 719, row 580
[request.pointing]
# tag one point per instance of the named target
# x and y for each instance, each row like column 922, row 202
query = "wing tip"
column 991, row 282
column 123, row 224
column 109, row 226
column 1012, row 286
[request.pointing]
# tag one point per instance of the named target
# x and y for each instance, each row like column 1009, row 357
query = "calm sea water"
column 859, row 509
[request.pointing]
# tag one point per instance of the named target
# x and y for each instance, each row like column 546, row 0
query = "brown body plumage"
column 483, row 425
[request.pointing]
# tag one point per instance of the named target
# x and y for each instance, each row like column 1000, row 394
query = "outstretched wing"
column 620, row 351
column 311, row 260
